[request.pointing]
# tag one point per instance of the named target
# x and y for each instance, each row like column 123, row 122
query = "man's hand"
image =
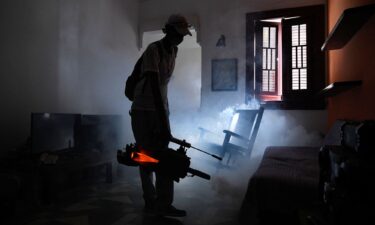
column 165, row 136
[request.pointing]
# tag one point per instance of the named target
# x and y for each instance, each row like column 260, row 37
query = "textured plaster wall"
column 215, row 17
column 67, row 56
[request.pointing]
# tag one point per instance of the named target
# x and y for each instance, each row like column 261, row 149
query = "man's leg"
column 164, row 192
column 149, row 192
column 143, row 130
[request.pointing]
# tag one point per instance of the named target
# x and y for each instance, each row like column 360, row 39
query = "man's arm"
column 159, row 105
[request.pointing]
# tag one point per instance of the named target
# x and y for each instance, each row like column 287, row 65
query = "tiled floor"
column 213, row 202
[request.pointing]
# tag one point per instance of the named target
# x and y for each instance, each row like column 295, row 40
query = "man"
column 149, row 113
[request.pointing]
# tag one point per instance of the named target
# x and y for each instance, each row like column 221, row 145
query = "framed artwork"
column 224, row 74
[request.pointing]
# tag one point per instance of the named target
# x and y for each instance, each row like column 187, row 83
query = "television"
column 53, row 131
column 100, row 132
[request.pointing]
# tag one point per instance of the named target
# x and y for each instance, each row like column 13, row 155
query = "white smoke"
column 277, row 128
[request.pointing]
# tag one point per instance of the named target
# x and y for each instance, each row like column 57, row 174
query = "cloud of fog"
column 185, row 124
column 278, row 128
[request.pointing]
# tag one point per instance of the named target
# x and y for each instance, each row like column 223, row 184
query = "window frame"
column 305, row 99
column 287, row 54
column 259, row 51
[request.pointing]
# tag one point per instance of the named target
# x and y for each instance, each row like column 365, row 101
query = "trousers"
column 145, row 126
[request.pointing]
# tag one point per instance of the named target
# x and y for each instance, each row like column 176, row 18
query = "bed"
column 286, row 181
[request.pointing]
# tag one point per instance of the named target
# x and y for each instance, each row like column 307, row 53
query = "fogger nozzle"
column 188, row 145
column 180, row 142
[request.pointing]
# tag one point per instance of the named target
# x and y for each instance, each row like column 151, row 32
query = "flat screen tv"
column 100, row 132
column 53, row 131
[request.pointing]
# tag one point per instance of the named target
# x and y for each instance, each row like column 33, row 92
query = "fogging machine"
column 173, row 163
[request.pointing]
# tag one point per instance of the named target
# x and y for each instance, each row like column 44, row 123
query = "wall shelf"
column 338, row 87
column 350, row 21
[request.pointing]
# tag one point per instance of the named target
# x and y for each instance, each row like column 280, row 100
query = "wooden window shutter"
column 297, row 58
column 266, row 49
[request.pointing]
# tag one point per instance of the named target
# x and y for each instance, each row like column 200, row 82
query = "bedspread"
column 286, row 180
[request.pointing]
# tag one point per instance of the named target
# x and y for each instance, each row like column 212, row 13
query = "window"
column 299, row 57
column 284, row 63
column 269, row 68
column 267, row 51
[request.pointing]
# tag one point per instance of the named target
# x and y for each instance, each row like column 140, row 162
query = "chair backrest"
column 255, row 129
column 246, row 123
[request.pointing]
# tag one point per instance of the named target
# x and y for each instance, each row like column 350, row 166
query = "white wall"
column 184, row 92
column 216, row 17
column 68, row 56
column 74, row 55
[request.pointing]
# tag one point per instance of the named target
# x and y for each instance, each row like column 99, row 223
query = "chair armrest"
column 230, row 133
column 231, row 148
column 203, row 131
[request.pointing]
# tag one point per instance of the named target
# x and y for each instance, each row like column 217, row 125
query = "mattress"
column 286, row 180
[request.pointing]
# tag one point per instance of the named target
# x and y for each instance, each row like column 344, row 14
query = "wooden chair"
column 239, row 139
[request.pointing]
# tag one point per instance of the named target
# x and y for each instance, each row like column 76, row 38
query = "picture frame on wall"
column 224, row 74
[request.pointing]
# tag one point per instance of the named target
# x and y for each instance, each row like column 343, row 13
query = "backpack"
column 136, row 76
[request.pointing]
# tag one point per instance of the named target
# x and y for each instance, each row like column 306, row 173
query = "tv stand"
column 69, row 171
column 41, row 181
column 72, row 161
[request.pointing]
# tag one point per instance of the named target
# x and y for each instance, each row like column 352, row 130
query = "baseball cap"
column 180, row 23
